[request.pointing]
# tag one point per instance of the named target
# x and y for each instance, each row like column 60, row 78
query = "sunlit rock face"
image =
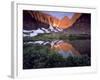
column 64, row 22
column 35, row 19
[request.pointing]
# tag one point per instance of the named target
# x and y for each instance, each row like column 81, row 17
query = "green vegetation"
column 57, row 36
column 38, row 56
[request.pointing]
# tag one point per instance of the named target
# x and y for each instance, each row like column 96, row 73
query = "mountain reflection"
column 63, row 48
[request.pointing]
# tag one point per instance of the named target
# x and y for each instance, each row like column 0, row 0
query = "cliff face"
column 35, row 19
column 81, row 26
column 30, row 23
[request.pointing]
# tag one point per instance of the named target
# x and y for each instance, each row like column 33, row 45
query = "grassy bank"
column 57, row 36
column 38, row 56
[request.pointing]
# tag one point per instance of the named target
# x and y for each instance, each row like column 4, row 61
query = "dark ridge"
column 81, row 26
column 30, row 23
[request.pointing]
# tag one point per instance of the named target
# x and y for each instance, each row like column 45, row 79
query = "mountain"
column 36, row 19
column 30, row 23
column 81, row 26
column 35, row 22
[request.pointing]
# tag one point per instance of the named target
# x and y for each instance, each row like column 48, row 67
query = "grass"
column 38, row 56
column 57, row 36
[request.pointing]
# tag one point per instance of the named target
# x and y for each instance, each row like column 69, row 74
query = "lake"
column 66, row 48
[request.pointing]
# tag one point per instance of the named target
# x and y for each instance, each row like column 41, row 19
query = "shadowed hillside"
column 81, row 26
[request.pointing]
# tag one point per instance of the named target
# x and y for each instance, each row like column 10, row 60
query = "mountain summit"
column 36, row 19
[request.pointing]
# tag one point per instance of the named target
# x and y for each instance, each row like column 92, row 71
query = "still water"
column 66, row 48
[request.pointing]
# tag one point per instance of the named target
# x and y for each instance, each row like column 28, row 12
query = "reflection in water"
column 65, row 49
column 61, row 47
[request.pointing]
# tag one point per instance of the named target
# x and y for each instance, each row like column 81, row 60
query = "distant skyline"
column 59, row 15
